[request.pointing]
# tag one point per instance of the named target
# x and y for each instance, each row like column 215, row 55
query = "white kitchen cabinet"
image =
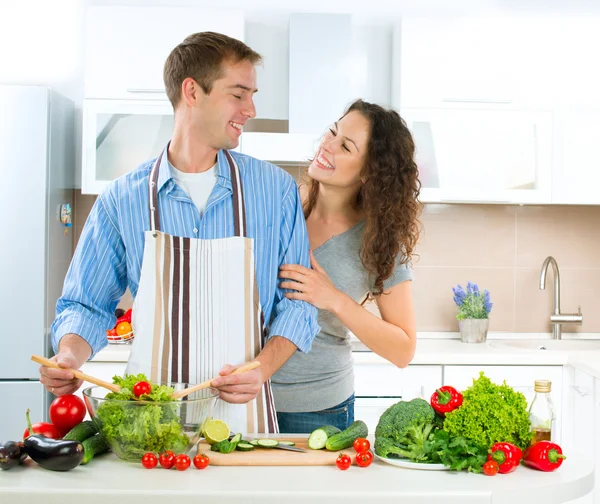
column 119, row 135
column 378, row 386
column 576, row 167
column 521, row 378
column 486, row 155
column 446, row 61
column 579, row 429
column 126, row 47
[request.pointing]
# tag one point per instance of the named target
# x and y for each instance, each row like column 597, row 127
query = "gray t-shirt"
column 324, row 377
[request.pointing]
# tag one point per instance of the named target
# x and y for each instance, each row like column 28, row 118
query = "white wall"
column 41, row 43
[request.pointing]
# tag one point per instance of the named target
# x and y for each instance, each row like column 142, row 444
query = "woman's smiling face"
column 342, row 153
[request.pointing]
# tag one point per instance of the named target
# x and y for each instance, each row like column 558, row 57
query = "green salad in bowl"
column 143, row 417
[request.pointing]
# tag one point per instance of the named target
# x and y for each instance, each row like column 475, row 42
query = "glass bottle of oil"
column 541, row 412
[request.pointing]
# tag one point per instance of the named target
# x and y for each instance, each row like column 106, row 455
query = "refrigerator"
column 36, row 184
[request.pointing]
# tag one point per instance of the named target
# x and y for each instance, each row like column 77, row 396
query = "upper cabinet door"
column 477, row 155
column 126, row 47
column 457, row 60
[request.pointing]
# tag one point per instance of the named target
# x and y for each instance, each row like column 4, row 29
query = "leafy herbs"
column 491, row 413
column 134, row 427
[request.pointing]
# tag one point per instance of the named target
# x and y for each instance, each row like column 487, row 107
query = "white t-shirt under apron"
column 197, row 186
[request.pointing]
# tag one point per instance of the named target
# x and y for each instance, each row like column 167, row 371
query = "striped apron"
column 197, row 308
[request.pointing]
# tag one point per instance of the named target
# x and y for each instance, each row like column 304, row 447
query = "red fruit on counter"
column 66, row 412
column 343, row 461
column 201, row 461
column 507, row 455
column 364, row 459
column 446, row 399
column 182, row 462
column 491, row 468
column 149, row 460
column 361, row 445
column 544, row 456
column 46, row 429
column 167, row 459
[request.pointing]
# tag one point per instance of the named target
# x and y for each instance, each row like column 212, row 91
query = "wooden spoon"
column 78, row 374
column 242, row 369
column 116, row 388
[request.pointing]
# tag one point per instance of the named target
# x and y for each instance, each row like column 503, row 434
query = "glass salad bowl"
column 135, row 427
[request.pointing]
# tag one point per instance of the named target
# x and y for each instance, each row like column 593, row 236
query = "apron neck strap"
column 153, row 194
column 239, row 209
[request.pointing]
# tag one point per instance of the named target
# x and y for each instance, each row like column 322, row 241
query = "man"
column 186, row 233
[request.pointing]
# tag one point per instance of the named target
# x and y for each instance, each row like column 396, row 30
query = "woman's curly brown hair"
column 388, row 196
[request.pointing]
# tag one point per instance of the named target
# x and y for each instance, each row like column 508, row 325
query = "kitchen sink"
column 549, row 345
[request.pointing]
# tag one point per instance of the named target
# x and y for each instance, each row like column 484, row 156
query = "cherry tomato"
column 343, row 461
column 142, row 387
column 66, row 412
column 362, row 445
column 182, row 462
column 112, row 332
column 491, row 468
column 364, row 459
column 46, row 429
column 149, row 461
column 167, row 459
column 201, row 461
column 128, row 315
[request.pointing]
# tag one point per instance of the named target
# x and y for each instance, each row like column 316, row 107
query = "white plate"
column 407, row 464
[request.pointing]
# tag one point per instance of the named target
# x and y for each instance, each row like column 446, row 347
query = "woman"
column 361, row 208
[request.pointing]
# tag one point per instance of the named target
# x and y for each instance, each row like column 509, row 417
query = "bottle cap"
column 542, row 385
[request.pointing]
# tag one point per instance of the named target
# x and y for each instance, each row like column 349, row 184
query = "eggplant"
column 54, row 454
column 11, row 454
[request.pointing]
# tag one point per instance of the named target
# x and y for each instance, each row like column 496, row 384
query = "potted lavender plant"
column 473, row 312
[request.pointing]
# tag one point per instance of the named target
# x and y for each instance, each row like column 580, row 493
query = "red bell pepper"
column 446, row 399
column 507, row 455
column 544, row 456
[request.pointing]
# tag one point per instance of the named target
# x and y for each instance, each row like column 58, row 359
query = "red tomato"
column 362, row 445
column 149, row 461
column 45, row 429
column 112, row 332
column 127, row 315
column 66, row 412
column 364, row 459
column 142, row 387
column 343, row 461
column 167, row 459
column 182, row 462
column 491, row 468
column 201, row 461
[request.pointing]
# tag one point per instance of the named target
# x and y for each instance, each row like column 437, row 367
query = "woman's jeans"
column 341, row 416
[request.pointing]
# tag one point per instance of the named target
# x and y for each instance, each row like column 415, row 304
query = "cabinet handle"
column 476, row 100
column 152, row 91
column 582, row 391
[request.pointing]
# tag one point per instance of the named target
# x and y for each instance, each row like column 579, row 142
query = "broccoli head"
column 403, row 430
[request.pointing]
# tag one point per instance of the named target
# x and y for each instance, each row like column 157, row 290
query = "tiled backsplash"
column 501, row 248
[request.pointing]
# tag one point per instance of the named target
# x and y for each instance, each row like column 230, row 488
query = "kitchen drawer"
column 370, row 409
column 386, row 380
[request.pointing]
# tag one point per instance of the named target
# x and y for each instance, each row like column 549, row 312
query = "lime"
column 216, row 431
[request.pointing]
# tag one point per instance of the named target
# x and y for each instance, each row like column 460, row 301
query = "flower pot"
column 473, row 330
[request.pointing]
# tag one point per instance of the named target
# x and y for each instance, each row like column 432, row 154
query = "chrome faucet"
column 557, row 318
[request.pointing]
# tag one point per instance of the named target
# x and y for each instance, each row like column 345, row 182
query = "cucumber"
column 93, row 446
column 217, row 446
column 267, row 443
column 287, row 443
column 229, row 446
column 243, row 446
column 82, row 431
column 319, row 437
column 344, row 439
column 254, row 442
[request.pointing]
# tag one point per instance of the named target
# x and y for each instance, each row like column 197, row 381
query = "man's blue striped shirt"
column 108, row 258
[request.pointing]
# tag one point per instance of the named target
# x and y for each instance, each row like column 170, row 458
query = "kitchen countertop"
column 107, row 479
column 451, row 351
